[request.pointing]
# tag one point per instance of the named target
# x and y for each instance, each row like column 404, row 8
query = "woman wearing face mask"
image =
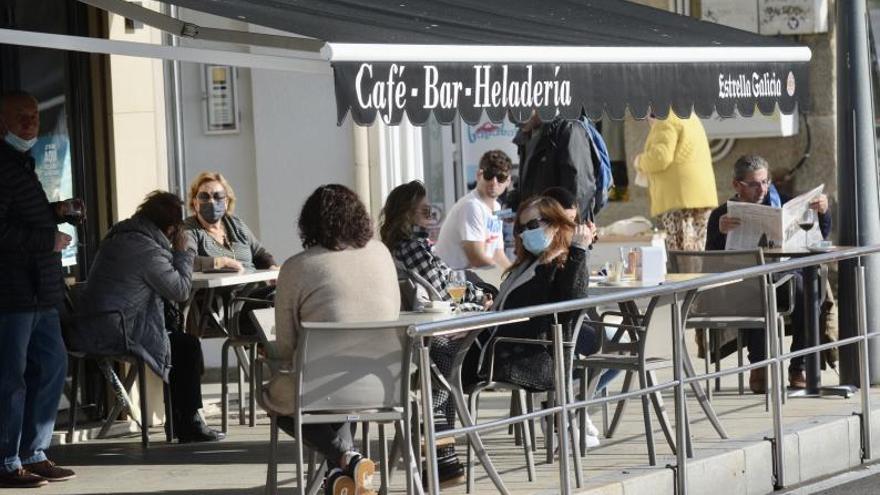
column 223, row 241
column 551, row 266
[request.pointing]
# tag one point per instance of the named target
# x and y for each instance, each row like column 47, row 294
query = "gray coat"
column 133, row 271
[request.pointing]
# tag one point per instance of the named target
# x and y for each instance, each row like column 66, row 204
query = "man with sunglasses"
column 751, row 181
column 471, row 236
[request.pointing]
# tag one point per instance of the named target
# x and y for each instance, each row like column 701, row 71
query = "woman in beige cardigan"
column 342, row 275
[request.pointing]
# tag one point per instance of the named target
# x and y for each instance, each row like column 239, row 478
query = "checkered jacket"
column 417, row 253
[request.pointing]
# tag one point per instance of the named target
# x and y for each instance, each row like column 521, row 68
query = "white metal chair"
column 345, row 372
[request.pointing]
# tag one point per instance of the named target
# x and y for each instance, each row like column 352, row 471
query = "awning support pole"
column 857, row 183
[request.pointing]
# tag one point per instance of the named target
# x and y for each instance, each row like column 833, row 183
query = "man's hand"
column 727, row 223
column 820, row 204
column 62, row 240
column 72, row 210
column 179, row 240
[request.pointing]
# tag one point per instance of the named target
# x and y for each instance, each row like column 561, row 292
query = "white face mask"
column 20, row 144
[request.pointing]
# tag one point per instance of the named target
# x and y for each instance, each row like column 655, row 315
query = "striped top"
column 241, row 245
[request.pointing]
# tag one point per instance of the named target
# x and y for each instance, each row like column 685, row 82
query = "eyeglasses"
column 755, row 184
column 491, row 174
column 532, row 224
column 204, row 197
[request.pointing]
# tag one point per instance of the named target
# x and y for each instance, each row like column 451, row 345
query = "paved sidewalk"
column 237, row 465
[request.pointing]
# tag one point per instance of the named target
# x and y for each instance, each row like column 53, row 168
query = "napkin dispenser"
column 652, row 264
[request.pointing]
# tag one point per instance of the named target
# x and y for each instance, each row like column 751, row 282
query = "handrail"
column 681, row 295
column 492, row 318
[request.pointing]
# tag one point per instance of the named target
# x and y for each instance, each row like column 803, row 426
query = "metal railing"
column 681, row 295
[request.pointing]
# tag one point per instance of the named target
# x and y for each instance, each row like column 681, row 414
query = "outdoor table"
column 599, row 288
column 812, row 305
column 209, row 283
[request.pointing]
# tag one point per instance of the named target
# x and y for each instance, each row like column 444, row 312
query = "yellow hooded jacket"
column 678, row 164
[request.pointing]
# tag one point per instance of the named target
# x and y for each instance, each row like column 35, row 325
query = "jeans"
column 33, row 365
column 588, row 343
column 331, row 440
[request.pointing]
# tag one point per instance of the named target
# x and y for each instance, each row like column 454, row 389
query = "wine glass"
column 808, row 219
column 456, row 286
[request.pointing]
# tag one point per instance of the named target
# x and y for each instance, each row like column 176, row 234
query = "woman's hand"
column 583, row 235
column 227, row 262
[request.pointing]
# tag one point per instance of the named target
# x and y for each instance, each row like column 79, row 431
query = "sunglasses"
column 204, row 197
column 491, row 174
column 532, row 224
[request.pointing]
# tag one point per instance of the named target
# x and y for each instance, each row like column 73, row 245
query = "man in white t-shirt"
column 471, row 235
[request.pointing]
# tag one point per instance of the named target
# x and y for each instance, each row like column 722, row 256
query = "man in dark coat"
column 554, row 153
column 143, row 262
column 751, row 181
column 33, row 360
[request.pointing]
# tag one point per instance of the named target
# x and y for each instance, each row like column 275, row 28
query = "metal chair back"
column 746, row 299
column 352, row 366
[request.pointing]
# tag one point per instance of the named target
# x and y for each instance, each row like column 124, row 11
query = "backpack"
column 601, row 164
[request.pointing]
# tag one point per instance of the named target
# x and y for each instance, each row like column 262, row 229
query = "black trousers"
column 755, row 340
column 187, row 366
column 329, row 440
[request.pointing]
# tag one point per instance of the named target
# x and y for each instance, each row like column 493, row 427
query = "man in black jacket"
column 555, row 154
column 33, row 361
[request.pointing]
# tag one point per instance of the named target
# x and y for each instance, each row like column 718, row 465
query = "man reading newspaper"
column 767, row 217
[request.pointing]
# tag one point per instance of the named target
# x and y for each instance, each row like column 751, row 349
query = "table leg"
column 812, row 305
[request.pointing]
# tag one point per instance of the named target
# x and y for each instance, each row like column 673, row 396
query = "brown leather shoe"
column 797, row 379
column 49, row 471
column 758, row 380
column 21, row 478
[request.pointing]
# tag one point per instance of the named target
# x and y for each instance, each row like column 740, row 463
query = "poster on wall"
column 480, row 138
column 54, row 170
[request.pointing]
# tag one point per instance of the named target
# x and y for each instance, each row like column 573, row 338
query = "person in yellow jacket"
column 681, row 182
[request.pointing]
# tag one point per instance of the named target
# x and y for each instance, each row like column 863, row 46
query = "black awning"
column 508, row 56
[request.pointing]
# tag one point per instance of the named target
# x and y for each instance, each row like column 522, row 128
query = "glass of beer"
column 456, row 286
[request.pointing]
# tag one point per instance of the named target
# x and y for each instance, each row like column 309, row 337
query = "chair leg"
column 385, row 466
column 550, row 432
column 621, row 405
column 708, row 339
column 527, row 434
column 315, row 483
column 365, row 439
column 475, row 443
column 517, row 428
column 530, row 405
column 313, row 464
column 272, row 468
column 574, row 436
column 660, row 411
column 224, row 387
column 142, row 392
column 740, row 377
column 582, row 413
column 474, row 405
column 646, row 415
column 76, row 365
column 252, row 386
column 717, row 351
column 241, row 403
column 298, row 454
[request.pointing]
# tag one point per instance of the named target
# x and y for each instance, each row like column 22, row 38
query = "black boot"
column 192, row 428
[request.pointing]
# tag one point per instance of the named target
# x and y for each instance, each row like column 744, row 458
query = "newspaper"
column 780, row 225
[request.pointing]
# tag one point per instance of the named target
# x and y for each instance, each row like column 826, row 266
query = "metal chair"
column 115, row 321
column 628, row 355
column 345, row 372
column 738, row 307
column 521, row 402
column 244, row 347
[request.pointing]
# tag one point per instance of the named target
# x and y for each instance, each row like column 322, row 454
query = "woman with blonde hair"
column 223, row 240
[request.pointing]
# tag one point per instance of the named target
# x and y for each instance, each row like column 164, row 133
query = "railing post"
column 681, row 429
column 864, row 371
column 775, row 383
column 428, row 418
column 562, row 417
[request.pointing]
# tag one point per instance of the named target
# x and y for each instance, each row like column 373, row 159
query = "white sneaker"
column 591, row 429
column 592, row 441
